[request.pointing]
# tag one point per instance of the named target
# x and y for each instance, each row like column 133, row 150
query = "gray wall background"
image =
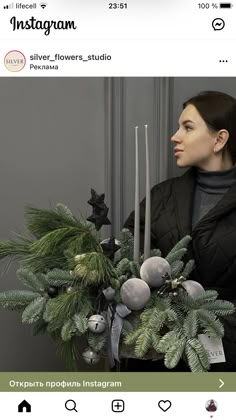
column 62, row 136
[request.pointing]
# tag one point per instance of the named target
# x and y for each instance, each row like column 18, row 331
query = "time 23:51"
column 118, row 5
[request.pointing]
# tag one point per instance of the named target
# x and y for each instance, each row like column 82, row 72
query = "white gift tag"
column 214, row 347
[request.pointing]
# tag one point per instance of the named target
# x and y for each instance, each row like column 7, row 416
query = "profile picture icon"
column 211, row 406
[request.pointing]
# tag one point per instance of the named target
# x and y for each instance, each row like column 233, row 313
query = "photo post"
column 118, row 208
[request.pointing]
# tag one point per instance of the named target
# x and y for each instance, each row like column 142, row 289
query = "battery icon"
column 225, row 5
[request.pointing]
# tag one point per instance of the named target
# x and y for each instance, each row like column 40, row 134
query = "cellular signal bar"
column 9, row 6
column 225, row 5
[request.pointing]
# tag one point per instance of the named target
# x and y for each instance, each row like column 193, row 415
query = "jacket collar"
column 184, row 187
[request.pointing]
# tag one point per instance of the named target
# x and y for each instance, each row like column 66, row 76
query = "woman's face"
column 193, row 142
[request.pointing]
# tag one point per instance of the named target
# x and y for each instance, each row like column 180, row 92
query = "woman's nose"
column 174, row 137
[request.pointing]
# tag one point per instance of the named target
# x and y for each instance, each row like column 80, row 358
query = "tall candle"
column 136, row 206
column 147, row 232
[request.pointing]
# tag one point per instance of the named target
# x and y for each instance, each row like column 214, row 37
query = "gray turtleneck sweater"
column 210, row 188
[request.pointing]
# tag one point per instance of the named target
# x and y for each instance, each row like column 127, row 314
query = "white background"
column 138, row 406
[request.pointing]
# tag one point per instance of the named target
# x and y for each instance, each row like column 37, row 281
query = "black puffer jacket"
column 213, row 244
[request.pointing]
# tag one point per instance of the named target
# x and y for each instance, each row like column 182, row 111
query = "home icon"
column 24, row 406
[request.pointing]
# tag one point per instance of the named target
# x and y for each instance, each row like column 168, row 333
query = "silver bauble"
column 193, row 288
column 153, row 269
column 90, row 356
column 97, row 324
column 135, row 293
column 71, row 289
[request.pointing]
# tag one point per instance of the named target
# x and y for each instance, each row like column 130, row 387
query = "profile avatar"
column 211, row 405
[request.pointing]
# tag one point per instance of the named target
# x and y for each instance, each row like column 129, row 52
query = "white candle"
column 147, row 233
column 136, row 206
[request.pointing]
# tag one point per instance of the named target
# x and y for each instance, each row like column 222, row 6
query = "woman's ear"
column 221, row 140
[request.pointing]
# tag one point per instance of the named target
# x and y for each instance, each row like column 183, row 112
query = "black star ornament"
column 99, row 217
column 96, row 200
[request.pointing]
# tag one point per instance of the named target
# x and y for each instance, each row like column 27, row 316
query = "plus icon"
column 118, row 406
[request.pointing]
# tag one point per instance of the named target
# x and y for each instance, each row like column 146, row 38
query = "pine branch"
column 54, row 232
column 152, row 301
column 174, row 354
column 162, row 303
column 66, row 214
column 81, row 322
column 97, row 341
column 197, row 356
column 177, row 255
column 34, row 310
column 16, row 299
column 86, row 305
column 190, row 326
column 143, row 343
column 94, row 268
column 135, row 269
column 183, row 243
column 58, row 278
column 68, row 351
column 115, row 284
column 189, row 267
column 40, row 221
column 208, row 296
column 176, row 268
column 127, row 244
column 215, row 329
column 68, row 330
column 186, row 302
column 155, row 253
column 39, row 264
column 167, row 341
column 220, row 307
column 208, row 320
column 127, row 328
column 31, row 280
column 47, row 244
column 60, row 308
column 85, row 243
column 153, row 318
column 123, row 267
column 155, row 341
column 14, row 249
column 131, row 338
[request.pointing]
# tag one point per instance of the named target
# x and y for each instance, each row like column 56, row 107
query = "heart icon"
column 164, row 405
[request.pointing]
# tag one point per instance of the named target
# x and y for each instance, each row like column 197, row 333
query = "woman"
column 201, row 203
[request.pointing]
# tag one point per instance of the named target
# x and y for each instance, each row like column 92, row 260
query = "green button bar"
column 116, row 382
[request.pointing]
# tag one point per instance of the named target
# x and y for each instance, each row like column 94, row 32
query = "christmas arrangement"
column 77, row 285
column 105, row 298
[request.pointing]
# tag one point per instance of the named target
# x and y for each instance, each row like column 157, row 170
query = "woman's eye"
column 187, row 127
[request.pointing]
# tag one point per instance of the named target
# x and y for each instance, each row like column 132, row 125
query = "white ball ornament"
column 90, row 356
column 153, row 269
column 135, row 293
column 193, row 288
column 97, row 323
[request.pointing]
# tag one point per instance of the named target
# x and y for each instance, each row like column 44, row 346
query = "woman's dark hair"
column 218, row 110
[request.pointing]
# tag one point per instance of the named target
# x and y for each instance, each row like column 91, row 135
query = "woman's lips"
column 178, row 151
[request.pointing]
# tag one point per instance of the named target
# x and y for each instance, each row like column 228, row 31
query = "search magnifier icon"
column 71, row 405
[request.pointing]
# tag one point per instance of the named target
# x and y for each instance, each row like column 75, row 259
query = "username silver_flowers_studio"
column 45, row 25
